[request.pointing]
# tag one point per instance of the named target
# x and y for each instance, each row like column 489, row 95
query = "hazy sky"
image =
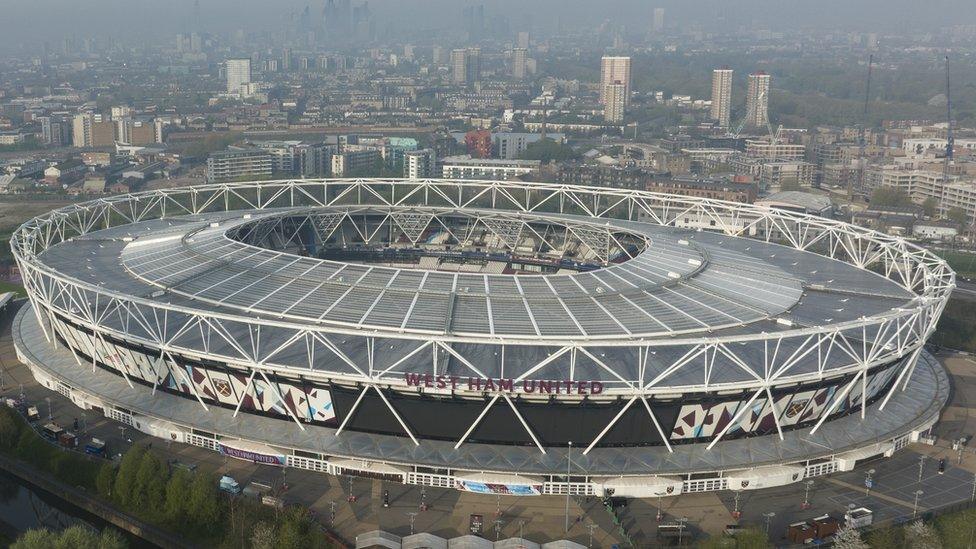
column 27, row 20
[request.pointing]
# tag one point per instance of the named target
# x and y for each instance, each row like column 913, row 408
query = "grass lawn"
column 12, row 287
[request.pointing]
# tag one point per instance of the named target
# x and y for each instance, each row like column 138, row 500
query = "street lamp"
column 50, row 412
column 868, row 482
column 735, row 505
column 806, row 495
column 569, row 461
column 681, row 527
column 915, row 507
column 921, row 466
column 768, row 516
column 973, row 497
column 413, row 516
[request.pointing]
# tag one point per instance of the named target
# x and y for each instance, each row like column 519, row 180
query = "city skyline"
column 524, row 273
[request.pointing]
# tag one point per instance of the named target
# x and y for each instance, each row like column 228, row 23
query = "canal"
column 23, row 507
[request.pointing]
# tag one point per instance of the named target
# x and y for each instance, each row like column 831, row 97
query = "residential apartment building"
column 614, row 69
column 466, row 167
column 721, row 109
column 419, row 164
column 352, row 162
column 239, row 164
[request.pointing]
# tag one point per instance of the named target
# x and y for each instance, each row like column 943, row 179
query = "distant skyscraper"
column 523, row 39
column 658, row 19
column 722, row 96
column 616, row 99
column 519, row 57
column 615, row 70
column 757, row 100
column 459, row 66
column 474, row 65
column 238, row 75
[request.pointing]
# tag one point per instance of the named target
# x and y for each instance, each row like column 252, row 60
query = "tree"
column 264, row 536
column 105, row 480
column 890, row 196
column 176, row 492
column 957, row 215
column 957, row 529
column 149, row 492
column 203, row 505
column 548, row 150
column 9, row 429
column 75, row 537
column 883, row 538
column 749, row 538
column 922, row 536
column 931, row 206
column 125, row 479
column 849, row 538
column 297, row 531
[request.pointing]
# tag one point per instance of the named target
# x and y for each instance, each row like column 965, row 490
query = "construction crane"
column 774, row 135
column 950, row 141
column 862, row 166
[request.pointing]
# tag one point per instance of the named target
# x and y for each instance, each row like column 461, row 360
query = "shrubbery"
column 145, row 486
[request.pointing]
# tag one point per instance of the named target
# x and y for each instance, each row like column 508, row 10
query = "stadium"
column 489, row 336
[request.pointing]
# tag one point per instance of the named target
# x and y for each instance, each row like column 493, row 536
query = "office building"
column 757, row 100
column 616, row 98
column 419, row 164
column 239, row 163
column 519, row 58
column 722, row 96
column 523, row 39
column 238, row 75
column 614, row 70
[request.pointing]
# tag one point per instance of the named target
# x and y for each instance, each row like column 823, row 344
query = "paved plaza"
column 543, row 518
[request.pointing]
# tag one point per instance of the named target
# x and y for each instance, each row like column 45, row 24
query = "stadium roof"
column 681, row 282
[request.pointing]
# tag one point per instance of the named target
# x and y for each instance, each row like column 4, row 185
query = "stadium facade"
column 488, row 335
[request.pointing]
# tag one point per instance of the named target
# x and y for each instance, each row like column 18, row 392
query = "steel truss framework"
column 860, row 345
column 285, row 231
